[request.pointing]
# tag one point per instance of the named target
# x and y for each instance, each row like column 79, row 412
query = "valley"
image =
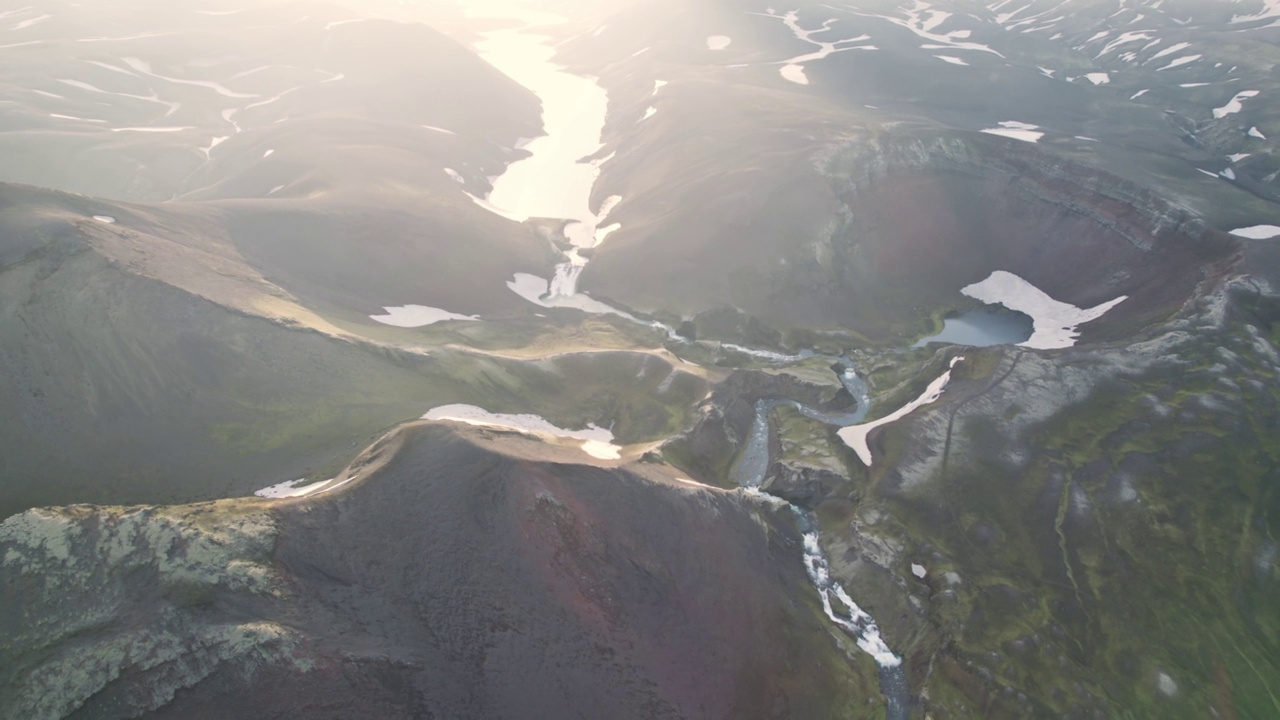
column 493, row 359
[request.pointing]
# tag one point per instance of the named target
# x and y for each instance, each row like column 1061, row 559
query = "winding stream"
column 555, row 182
column 749, row 473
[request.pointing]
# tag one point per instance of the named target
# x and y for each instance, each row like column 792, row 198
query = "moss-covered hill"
column 1097, row 526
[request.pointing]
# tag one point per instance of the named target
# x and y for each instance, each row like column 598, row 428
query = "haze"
column 639, row 359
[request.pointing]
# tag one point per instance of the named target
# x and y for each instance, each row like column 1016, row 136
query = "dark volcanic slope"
column 146, row 361
column 337, row 173
column 860, row 184
column 153, row 100
column 900, row 222
column 464, row 575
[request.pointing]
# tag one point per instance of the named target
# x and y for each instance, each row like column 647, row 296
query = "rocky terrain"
column 248, row 249
column 462, row 574
column 1068, row 511
column 881, row 264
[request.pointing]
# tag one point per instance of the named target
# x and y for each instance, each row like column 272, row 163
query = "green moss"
column 803, row 440
column 1139, row 588
column 188, row 594
column 711, row 469
column 835, row 515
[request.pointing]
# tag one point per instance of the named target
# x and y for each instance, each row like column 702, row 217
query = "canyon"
column 600, row 359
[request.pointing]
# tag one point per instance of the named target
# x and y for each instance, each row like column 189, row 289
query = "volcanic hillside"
column 462, row 574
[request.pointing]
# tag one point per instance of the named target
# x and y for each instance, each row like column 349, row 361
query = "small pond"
column 983, row 328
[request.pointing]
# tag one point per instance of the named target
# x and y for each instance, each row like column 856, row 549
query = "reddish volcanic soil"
column 476, row 574
column 898, row 226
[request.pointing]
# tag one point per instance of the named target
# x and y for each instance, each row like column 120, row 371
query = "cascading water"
column 554, row 183
column 565, row 282
column 855, row 620
column 749, row 472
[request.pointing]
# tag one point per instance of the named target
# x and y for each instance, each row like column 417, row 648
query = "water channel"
column 749, row 471
column 554, row 182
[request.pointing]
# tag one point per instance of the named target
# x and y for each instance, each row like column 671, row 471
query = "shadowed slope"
column 466, row 574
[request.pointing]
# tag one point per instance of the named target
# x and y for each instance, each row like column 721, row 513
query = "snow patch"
column 793, row 69
column 1166, row 685
column 1127, row 492
column 1167, row 51
column 718, row 42
column 1234, row 105
column 145, row 68
column 173, row 107
column 412, row 316
column 228, row 116
column 1179, row 62
column 1270, row 9
column 213, row 143
column 1122, row 39
column 291, row 488
column 855, row 436
column 1257, row 232
column 923, row 20
column 28, row 23
column 1054, row 323
column 153, row 129
column 73, row 117
column 1025, row 132
column 794, row 73
column 112, row 68
column 596, row 441
column 538, row 291
column 337, row 23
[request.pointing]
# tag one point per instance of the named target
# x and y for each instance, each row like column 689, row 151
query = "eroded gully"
column 573, row 118
column 749, row 471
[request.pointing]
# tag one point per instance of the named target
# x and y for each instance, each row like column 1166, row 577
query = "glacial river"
column 749, row 472
column 554, row 182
